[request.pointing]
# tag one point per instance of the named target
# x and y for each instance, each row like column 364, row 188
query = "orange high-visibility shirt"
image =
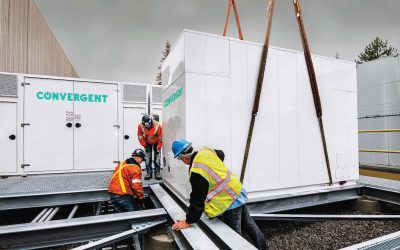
column 151, row 136
column 127, row 179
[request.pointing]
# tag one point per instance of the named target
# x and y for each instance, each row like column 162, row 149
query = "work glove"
column 141, row 204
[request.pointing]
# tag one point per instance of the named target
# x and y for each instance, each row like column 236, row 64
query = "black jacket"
column 199, row 192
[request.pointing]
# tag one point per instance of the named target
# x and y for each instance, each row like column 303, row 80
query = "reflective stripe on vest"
column 155, row 131
column 121, row 181
column 222, row 184
column 119, row 172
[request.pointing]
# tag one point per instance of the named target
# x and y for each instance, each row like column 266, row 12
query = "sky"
column 122, row 40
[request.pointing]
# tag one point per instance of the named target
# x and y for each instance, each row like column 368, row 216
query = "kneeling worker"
column 216, row 191
column 125, row 188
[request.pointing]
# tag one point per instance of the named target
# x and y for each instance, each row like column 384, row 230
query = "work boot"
column 158, row 176
column 148, row 176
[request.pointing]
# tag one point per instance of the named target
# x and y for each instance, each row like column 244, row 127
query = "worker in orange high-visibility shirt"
column 150, row 137
column 125, row 188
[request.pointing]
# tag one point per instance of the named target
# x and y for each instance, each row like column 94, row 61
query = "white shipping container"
column 209, row 91
column 62, row 125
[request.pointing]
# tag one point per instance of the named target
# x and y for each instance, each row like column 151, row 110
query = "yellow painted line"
column 379, row 151
column 379, row 130
column 378, row 174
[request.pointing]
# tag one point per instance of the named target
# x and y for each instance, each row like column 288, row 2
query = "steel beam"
column 52, row 199
column 53, row 213
column 73, row 211
column 221, row 233
column 136, row 229
column 382, row 194
column 296, row 201
column 387, row 242
column 224, row 235
column 321, row 217
column 61, row 232
column 37, row 218
column 194, row 235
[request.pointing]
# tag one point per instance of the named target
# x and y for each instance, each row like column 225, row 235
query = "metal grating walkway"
column 57, row 183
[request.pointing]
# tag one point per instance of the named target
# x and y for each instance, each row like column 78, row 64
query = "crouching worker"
column 125, row 188
column 216, row 191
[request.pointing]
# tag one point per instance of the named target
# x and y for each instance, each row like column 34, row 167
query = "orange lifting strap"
column 233, row 3
column 311, row 75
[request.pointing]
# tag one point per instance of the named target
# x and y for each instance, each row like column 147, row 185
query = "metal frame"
column 61, row 232
column 219, row 232
column 196, row 238
column 321, row 217
column 301, row 200
column 390, row 241
column 209, row 234
column 52, row 199
column 137, row 228
column 386, row 195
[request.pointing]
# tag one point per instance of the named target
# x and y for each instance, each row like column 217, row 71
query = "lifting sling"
column 311, row 75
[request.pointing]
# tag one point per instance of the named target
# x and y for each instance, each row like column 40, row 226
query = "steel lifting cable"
column 260, row 79
column 313, row 83
column 233, row 3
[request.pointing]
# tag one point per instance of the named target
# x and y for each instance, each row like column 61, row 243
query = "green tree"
column 165, row 53
column 375, row 50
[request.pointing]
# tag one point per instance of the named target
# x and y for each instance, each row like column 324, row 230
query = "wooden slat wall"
column 27, row 43
column 4, row 51
column 18, row 34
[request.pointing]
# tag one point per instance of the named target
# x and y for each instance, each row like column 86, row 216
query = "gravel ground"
column 327, row 234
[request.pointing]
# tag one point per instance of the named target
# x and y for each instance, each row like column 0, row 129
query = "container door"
column 132, row 118
column 95, row 125
column 48, row 117
column 8, row 142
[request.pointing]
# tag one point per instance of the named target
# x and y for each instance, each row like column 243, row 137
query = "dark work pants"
column 240, row 217
column 149, row 159
column 124, row 203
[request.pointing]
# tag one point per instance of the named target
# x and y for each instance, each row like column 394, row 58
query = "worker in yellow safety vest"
column 216, row 191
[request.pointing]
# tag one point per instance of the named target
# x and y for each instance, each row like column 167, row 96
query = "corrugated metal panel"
column 156, row 95
column 134, row 93
column 8, row 85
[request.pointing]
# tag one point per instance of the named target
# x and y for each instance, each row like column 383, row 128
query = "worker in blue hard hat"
column 216, row 191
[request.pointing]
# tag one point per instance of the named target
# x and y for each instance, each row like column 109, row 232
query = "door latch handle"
column 118, row 162
column 126, row 137
column 12, row 137
column 25, row 165
column 68, row 124
column 78, row 125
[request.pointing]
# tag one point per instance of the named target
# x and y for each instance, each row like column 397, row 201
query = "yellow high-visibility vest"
column 224, row 186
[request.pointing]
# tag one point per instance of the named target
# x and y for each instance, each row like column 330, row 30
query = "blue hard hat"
column 179, row 145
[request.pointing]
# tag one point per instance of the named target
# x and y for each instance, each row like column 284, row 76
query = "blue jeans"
column 240, row 216
column 149, row 159
column 124, row 203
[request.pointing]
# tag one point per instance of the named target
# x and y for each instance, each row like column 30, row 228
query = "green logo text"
column 173, row 97
column 57, row 96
